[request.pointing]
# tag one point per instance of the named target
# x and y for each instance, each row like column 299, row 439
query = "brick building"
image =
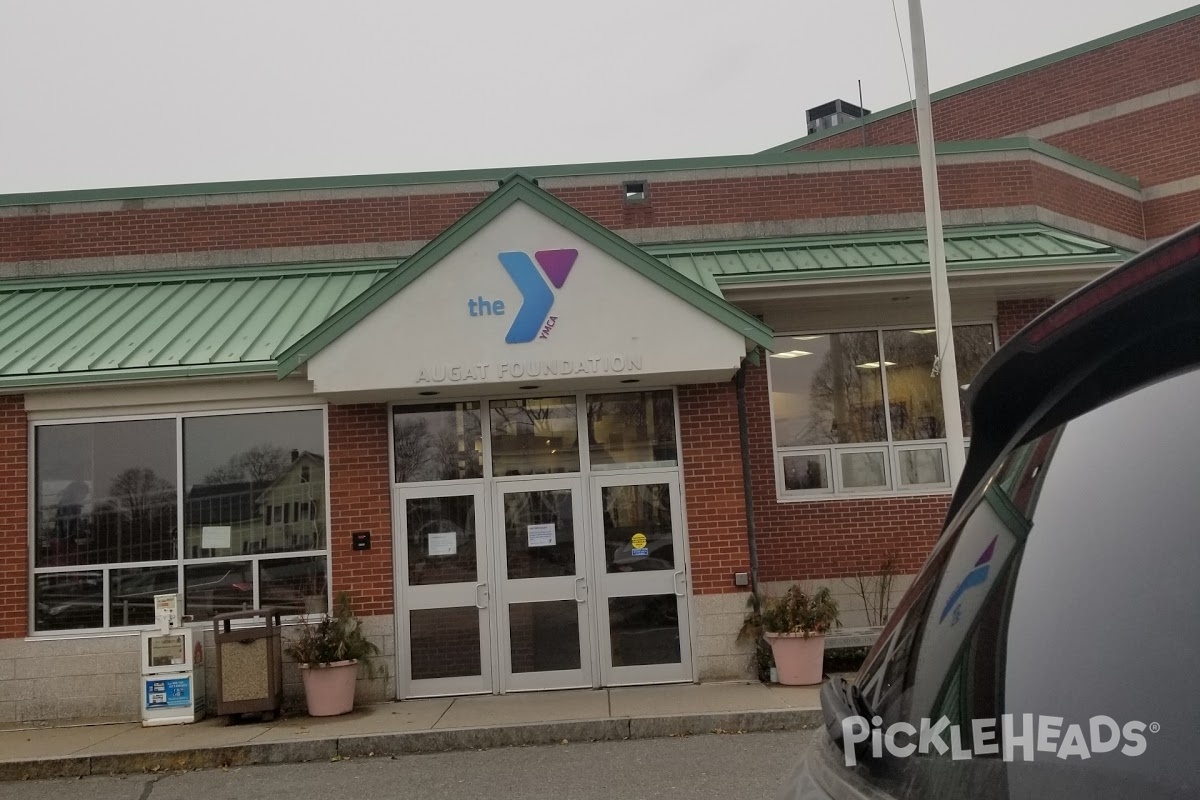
column 501, row 409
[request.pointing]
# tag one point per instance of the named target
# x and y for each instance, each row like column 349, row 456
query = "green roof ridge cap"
column 667, row 249
column 531, row 174
column 999, row 75
column 197, row 274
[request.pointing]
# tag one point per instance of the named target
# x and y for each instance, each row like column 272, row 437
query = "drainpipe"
column 747, row 487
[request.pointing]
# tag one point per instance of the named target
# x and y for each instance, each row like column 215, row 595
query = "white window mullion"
column 254, row 565
column 887, row 413
column 179, row 517
column 104, row 597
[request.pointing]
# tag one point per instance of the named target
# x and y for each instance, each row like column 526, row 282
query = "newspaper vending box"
column 172, row 682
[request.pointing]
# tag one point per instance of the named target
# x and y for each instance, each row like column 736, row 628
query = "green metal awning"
column 881, row 254
column 165, row 324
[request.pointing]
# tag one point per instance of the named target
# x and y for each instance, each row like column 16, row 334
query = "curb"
column 410, row 743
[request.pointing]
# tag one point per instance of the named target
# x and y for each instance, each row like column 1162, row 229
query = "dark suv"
column 1050, row 646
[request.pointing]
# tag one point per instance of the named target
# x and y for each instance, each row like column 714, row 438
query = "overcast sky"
column 121, row 93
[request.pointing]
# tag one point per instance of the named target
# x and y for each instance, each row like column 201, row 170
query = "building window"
column 860, row 412
column 632, row 429
column 535, row 436
column 116, row 522
column 437, row 442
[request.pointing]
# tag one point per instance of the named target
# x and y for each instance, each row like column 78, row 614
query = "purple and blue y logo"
column 537, row 299
column 975, row 577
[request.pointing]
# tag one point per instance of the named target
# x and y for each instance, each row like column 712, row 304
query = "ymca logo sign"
column 533, row 318
column 976, row 577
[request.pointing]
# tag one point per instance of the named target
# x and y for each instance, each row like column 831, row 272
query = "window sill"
column 66, row 636
column 840, row 498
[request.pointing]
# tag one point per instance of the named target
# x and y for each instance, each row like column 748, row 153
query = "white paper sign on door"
column 443, row 544
column 541, row 535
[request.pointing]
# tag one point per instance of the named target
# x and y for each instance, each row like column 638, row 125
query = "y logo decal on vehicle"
column 536, row 298
column 974, row 578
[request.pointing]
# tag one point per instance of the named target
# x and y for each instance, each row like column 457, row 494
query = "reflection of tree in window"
column 437, row 442
column 534, row 436
column 845, row 397
column 914, row 394
column 631, row 428
column 262, row 463
column 411, row 443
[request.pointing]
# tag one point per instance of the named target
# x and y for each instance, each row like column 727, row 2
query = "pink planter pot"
column 798, row 659
column 329, row 688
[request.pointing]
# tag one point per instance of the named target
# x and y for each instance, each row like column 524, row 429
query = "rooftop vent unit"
column 833, row 114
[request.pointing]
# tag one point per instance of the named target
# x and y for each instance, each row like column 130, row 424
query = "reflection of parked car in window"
column 660, row 554
column 132, row 594
column 220, row 592
column 68, row 601
column 1050, row 642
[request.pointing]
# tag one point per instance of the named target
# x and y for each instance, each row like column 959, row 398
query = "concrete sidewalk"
column 411, row 726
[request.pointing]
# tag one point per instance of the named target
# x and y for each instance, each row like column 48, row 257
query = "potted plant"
column 795, row 625
column 330, row 653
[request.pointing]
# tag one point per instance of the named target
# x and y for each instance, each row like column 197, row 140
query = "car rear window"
column 1068, row 594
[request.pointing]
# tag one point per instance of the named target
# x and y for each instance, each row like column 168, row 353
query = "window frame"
column 180, row 561
column 891, row 446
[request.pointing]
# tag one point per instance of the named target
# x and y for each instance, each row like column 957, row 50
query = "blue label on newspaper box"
column 169, row 693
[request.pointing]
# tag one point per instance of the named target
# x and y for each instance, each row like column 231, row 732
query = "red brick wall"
column 694, row 202
column 14, row 518
column 359, row 498
column 1131, row 68
column 231, row 227
column 1155, row 146
column 712, row 477
column 1075, row 197
column 1012, row 315
column 1172, row 214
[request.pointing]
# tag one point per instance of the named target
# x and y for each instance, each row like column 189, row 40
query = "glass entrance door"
column 443, row 574
column 641, row 600
column 544, row 609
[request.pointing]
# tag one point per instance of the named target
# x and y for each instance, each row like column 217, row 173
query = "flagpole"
column 945, row 366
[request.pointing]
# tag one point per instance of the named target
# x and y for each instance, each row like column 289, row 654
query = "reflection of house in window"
column 279, row 516
column 226, row 505
column 295, row 498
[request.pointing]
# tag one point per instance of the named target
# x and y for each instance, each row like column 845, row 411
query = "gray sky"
column 128, row 93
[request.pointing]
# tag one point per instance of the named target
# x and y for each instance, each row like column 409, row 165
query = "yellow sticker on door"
column 638, row 544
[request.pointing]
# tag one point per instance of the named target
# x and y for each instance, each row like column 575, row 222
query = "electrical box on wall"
column 741, row 579
column 360, row 540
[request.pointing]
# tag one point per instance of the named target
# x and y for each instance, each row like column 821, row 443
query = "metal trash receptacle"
column 249, row 663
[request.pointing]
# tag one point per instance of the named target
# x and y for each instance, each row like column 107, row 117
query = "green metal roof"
column 169, row 324
column 892, row 253
column 994, row 77
column 166, row 324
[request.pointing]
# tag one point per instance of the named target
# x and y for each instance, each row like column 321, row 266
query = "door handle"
column 581, row 582
column 680, row 583
column 481, row 597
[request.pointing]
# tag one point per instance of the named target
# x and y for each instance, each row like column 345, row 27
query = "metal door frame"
column 506, row 592
column 637, row 584
column 458, row 595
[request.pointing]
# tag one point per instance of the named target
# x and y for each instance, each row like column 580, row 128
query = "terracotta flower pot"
column 329, row 688
column 798, row 659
